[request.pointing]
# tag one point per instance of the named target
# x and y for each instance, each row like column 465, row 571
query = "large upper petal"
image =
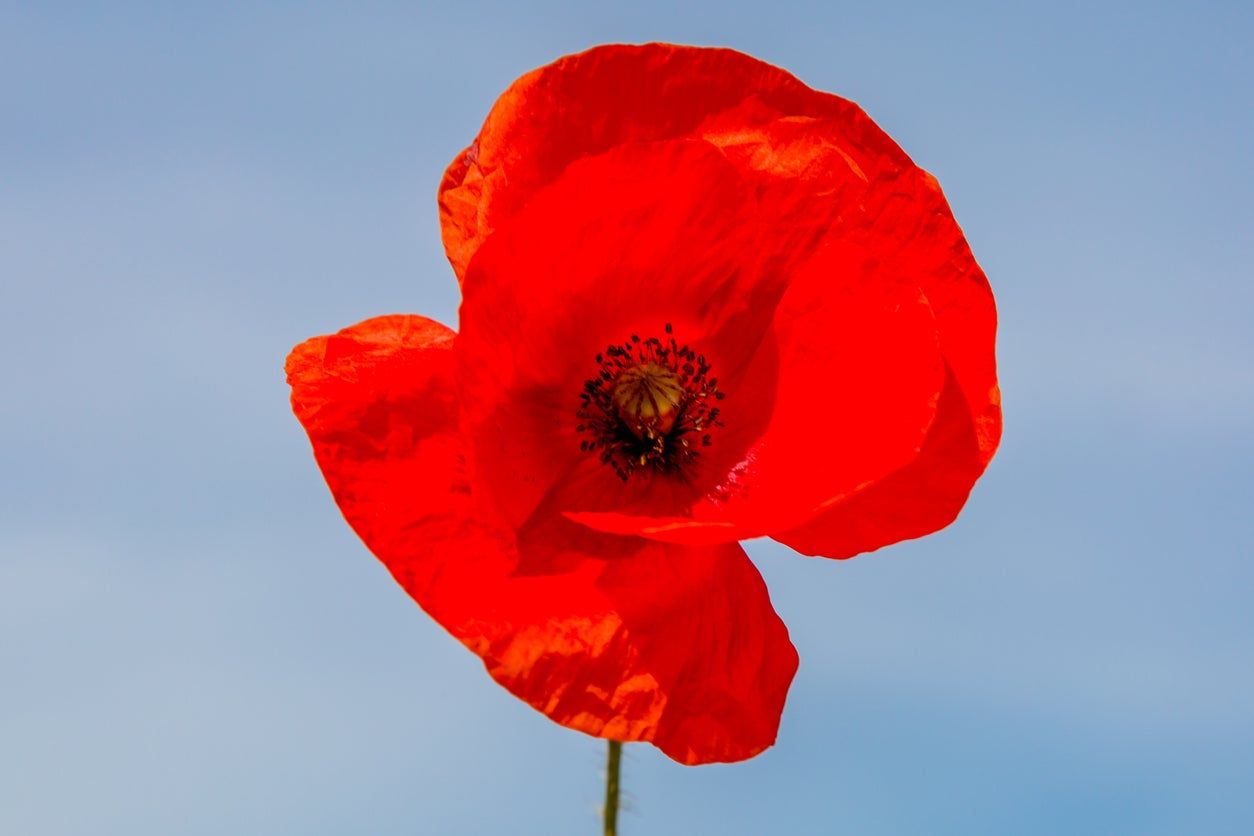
column 794, row 144
column 615, row 637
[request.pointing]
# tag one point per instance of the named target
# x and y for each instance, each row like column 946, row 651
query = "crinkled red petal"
column 796, row 146
column 901, row 214
column 619, row 638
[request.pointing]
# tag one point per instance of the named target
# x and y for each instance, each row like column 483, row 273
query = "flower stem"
column 611, row 787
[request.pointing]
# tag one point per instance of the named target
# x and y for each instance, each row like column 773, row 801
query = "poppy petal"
column 901, row 214
column 639, row 640
column 619, row 638
column 924, row 496
column 792, row 142
column 874, row 195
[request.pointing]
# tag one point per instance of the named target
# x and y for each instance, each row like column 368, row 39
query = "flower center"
column 649, row 407
column 646, row 398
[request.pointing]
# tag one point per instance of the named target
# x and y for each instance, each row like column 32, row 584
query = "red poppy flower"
column 702, row 302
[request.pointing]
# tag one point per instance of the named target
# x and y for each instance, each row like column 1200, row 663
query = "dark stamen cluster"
column 649, row 407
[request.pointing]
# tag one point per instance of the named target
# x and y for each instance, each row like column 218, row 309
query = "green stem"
column 611, row 787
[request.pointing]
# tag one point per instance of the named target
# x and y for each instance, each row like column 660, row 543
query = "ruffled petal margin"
column 588, row 103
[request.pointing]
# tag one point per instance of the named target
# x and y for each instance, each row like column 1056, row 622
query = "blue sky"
column 193, row 642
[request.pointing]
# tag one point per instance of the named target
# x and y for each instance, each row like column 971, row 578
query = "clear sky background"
column 193, row 642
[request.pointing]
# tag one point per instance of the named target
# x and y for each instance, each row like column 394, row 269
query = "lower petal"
column 636, row 640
